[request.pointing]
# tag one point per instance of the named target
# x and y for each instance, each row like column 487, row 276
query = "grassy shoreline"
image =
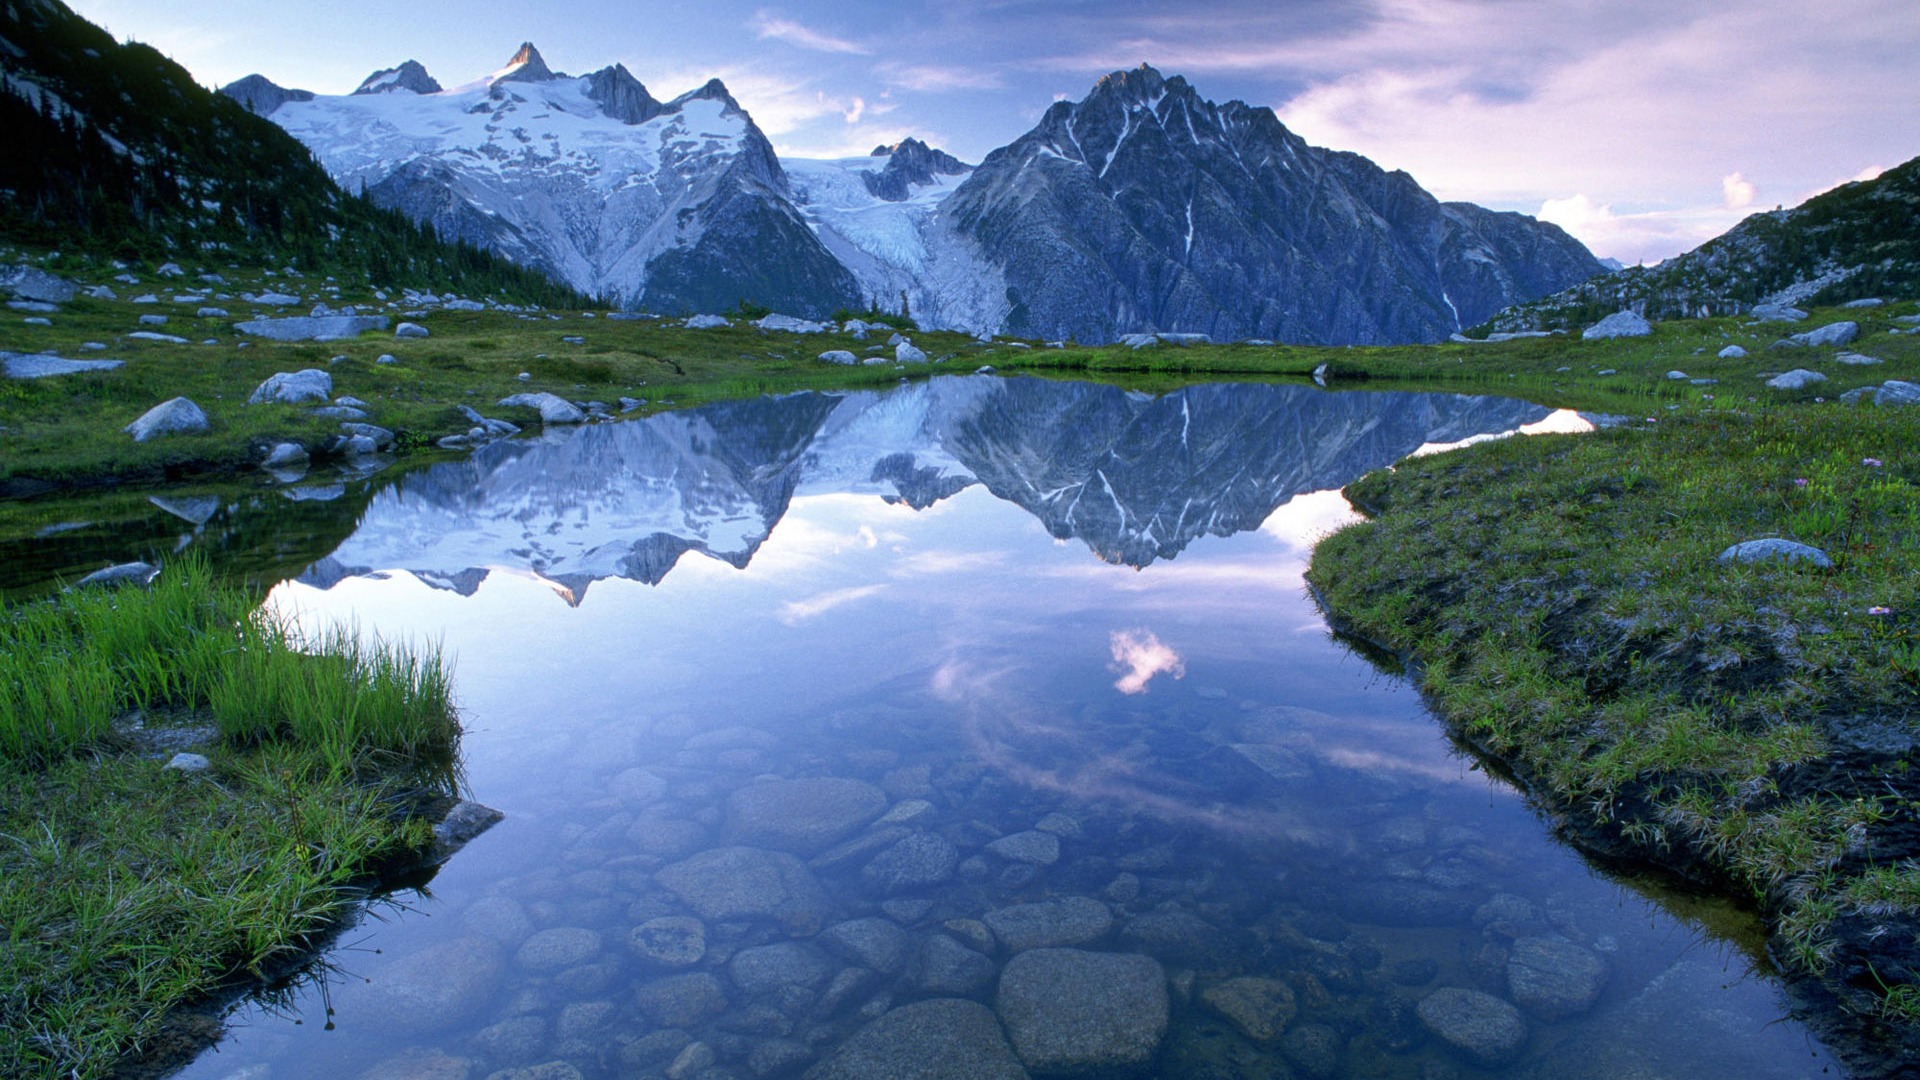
column 129, row 890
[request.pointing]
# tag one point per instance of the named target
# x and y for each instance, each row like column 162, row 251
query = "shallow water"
column 797, row 708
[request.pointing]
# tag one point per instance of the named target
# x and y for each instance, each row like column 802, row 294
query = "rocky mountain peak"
column 261, row 95
column 621, row 96
column 910, row 162
column 526, row 66
column 410, row 75
column 714, row 90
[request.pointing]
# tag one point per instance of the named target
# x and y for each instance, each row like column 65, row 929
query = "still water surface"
column 978, row 728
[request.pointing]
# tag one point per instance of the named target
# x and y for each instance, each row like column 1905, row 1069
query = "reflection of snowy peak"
column 677, row 206
column 1138, row 478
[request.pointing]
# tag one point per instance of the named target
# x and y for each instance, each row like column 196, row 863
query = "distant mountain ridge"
column 1141, row 208
column 1859, row 240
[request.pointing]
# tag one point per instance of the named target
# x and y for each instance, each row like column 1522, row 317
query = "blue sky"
column 1643, row 126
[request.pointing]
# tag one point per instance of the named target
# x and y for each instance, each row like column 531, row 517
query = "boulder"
column 906, row 353
column 436, row 988
column 791, row 325
column 150, row 335
column 1553, row 978
column 916, row 862
column 1261, row 1008
column 464, row 305
column 1776, row 313
column 671, row 940
column 1774, row 548
column 1840, row 333
column 1139, row 341
column 870, row 942
column 557, row 949
column 382, row 438
column 1074, row 1012
column 40, row 366
column 31, row 283
column 748, row 883
column 1895, row 392
column 768, row 969
column 465, row 821
column 153, row 320
column 1487, row 1031
column 294, row 388
column 839, row 356
column 707, row 322
column 411, row 330
column 1732, row 352
column 945, row 966
column 309, row 327
column 273, row 299
column 175, row 416
column 211, row 313
column 680, row 1000
column 1618, row 325
column 1048, row 924
column 553, row 408
column 940, row 1039
column 803, row 816
column 1032, row 846
column 1797, row 379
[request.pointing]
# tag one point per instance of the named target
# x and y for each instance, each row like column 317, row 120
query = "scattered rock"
column 1486, row 1030
column 311, row 327
column 871, row 943
column 411, row 330
column 791, row 325
column 768, row 969
column 672, row 940
column 40, row 366
column 1032, row 846
column 1069, row 1011
column 557, row 949
column 153, row 320
column 680, row 1001
column 906, row 353
column 553, row 408
column 149, row 335
column 211, row 313
column 920, row 860
column 175, row 416
column 463, row 305
column 435, row 988
column 465, row 821
column 1047, row 924
column 706, row 322
column 1840, row 333
column 839, row 356
column 1776, row 313
column 1775, row 548
column 1895, row 392
column 945, row 966
column 1618, row 325
column 1553, row 978
column 294, row 388
column 802, row 816
column 1260, row 1008
column 379, row 436
column 185, row 762
column 748, row 883
column 32, row 283
column 1797, row 379
column 1677, row 376
column 1731, row 352
column 941, row 1039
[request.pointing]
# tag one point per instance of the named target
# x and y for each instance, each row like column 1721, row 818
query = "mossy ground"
column 1753, row 725
column 127, row 890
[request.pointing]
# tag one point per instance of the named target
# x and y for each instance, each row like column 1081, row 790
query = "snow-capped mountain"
column 1142, row 208
column 674, row 206
column 1137, row 478
column 1147, row 208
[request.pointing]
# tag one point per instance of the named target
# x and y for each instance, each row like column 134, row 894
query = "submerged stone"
column 802, row 816
column 1485, row 1029
column 941, row 1039
column 1069, row 1011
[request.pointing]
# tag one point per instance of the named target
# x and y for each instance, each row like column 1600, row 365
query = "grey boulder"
column 309, row 327
column 940, row 1039
column 411, row 330
column 1895, row 392
column 175, row 416
column 802, row 816
column 30, row 283
column 553, row 408
column 1840, row 333
column 1483, row 1028
column 1553, row 978
column 41, row 365
column 133, row 573
column 294, row 388
column 1618, row 325
column 1732, row 352
column 1076, row 1012
column 1775, row 548
column 1797, row 379
column 906, row 353
column 839, row 356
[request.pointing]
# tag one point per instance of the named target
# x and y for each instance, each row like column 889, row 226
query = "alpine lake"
column 979, row 727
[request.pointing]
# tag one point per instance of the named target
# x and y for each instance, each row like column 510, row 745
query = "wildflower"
column 1872, row 462
column 1878, row 609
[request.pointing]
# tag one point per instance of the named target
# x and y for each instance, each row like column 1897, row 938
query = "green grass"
column 127, row 890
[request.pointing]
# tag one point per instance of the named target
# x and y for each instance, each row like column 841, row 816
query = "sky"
column 1643, row 127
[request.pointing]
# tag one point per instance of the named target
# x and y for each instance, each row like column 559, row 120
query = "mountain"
column 1858, row 240
column 1137, row 478
column 675, row 206
column 112, row 149
column 1146, row 207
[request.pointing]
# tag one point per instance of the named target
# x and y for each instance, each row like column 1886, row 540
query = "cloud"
column 795, row 612
column 1641, row 237
column 768, row 26
column 1138, row 656
column 934, row 78
column 1738, row 190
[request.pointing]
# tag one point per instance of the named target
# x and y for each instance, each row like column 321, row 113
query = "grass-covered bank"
column 127, row 889
column 1752, row 725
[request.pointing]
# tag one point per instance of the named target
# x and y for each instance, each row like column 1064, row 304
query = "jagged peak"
column 261, row 95
column 622, row 96
column 714, row 90
column 526, row 66
column 410, row 75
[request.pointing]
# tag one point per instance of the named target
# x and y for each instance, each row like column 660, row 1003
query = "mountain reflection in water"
column 1136, row 477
